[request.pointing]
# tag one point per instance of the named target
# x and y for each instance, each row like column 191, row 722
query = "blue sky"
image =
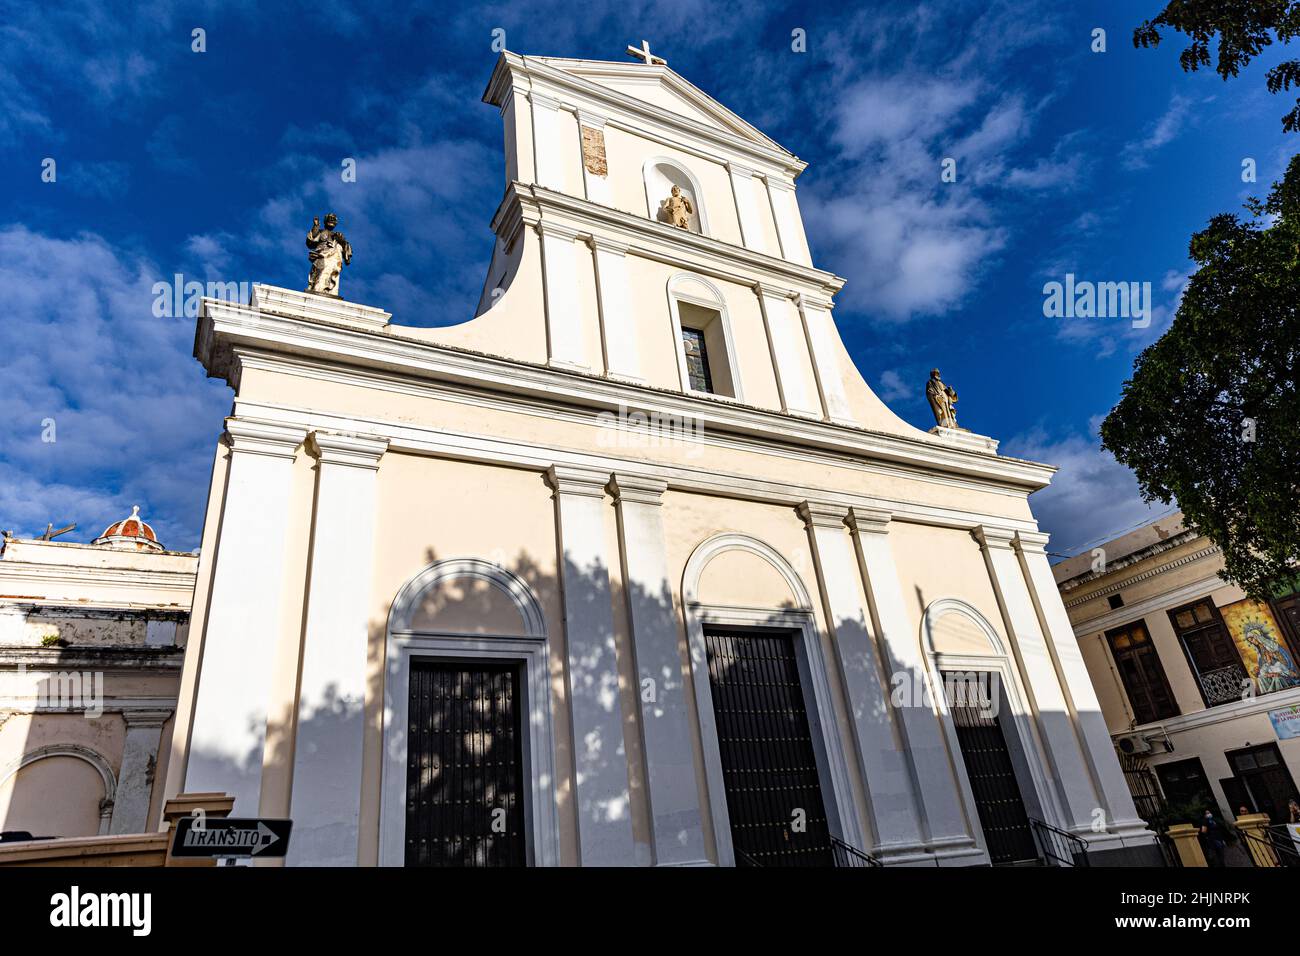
column 212, row 165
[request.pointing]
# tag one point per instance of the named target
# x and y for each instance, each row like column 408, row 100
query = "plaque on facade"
column 593, row 151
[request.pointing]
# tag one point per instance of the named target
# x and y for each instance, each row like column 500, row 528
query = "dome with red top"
column 130, row 534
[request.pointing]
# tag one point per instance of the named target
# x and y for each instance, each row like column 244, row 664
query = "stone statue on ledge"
column 943, row 401
column 677, row 209
column 329, row 253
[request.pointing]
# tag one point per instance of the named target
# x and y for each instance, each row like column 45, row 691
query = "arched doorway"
column 468, row 774
column 989, row 730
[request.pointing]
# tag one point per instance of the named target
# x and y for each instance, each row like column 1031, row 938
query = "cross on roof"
column 643, row 53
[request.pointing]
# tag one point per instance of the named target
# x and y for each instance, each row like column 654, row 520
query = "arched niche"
column 954, row 628
column 469, row 609
column 661, row 174
column 56, row 790
column 467, row 596
column 774, row 584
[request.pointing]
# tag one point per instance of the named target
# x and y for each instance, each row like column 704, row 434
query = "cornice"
column 47, row 574
column 543, row 209
column 1114, row 586
column 440, row 443
column 1128, row 560
column 227, row 328
column 106, row 658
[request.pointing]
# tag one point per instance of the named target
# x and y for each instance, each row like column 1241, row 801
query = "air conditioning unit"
column 1133, row 744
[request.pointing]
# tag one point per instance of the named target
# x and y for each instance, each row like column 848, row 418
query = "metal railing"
column 1224, row 685
column 846, row 855
column 1058, row 846
column 842, row 854
column 1274, row 848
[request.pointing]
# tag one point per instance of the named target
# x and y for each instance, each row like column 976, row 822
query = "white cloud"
column 912, row 244
column 135, row 418
column 893, row 388
column 1091, row 498
column 1136, row 154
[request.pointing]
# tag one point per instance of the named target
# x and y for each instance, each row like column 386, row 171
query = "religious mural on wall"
column 1264, row 651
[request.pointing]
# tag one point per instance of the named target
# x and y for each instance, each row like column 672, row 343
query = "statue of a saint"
column 677, row 209
column 329, row 253
column 943, row 401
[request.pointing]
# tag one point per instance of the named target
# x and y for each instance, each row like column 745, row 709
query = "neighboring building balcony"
column 1225, row 685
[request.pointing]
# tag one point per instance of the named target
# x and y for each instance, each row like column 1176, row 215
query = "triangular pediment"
column 659, row 86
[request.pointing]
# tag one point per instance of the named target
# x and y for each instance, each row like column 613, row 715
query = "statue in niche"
column 677, row 209
column 943, row 401
column 329, row 253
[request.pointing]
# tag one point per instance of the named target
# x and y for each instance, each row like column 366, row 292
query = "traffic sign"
column 230, row 836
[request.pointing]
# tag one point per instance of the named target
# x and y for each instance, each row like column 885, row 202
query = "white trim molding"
column 531, row 648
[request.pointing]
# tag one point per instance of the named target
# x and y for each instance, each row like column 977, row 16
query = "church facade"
column 633, row 567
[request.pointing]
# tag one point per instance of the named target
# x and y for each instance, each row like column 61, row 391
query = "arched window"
column 661, row 174
column 706, row 353
column 467, row 630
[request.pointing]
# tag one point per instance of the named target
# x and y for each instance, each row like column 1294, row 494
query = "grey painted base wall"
column 1149, row 855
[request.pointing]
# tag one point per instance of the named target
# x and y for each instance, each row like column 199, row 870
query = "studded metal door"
column 464, row 804
column 992, row 775
column 769, row 766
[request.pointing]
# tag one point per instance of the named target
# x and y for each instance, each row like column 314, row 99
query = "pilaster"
column 820, row 331
column 1098, row 749
column 135, row 777
column 929, row 762
column 328, row 745
column 546, row 141
column 617, row 326
column 604, row 817
column 787, row 343
column 229, row 725
column 1065, row 765
column 675, row 815
column 877, row 747
column 564, row 338
column 742, row 189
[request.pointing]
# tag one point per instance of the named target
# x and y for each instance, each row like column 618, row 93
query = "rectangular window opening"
column 705, row 352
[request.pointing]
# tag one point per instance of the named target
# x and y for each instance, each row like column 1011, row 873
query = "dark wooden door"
column 769, row 764
column 464, row 798
column 992, row 775
column 1265, row 777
